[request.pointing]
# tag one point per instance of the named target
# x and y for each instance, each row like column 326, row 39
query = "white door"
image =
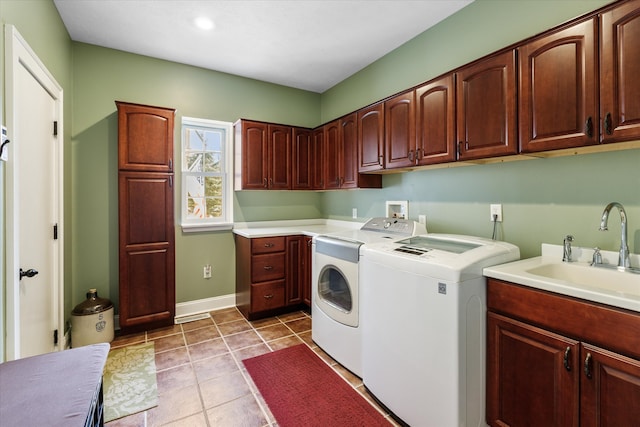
column 34, row 229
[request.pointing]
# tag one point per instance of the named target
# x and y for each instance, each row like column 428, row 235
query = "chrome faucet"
column 566, row 253
column 623, row 258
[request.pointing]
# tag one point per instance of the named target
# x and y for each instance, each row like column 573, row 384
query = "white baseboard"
column 191, row 308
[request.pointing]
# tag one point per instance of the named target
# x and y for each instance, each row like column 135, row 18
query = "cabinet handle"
column 170, row 164
column 268, row 245
column 459, row 148
column 268, row 267
column 419, row 154
column 587, row 365
column 269, row 296
column 588, row 127
column 170, row 182
column 380, row 160
column 607, row 124
column 264, row 182
column 270, row 182
column 567, row 366
column 411, row 158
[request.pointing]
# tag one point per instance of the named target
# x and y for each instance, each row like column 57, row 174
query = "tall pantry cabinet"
column 145, row 215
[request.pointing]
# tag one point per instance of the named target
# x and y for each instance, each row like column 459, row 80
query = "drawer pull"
column 268, row 267
column 587, row 366
column 269, row 296
column 567, row 366
column 269, row 245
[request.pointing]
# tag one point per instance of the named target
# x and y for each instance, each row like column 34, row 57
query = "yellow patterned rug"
column 129, row 381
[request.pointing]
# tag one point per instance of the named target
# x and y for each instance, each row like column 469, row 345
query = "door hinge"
column 55, row 337
column 55, row 128
column 55, row 232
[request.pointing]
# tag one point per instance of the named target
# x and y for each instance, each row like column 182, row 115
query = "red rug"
column 302, row 390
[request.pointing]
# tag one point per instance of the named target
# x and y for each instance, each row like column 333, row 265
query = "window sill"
column 196, row 228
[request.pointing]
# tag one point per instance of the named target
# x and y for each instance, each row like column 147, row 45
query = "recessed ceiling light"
column 204, row 23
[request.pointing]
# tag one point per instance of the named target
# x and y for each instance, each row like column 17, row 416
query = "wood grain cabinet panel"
column 371, row 138
column 146, row 218
column 486, row 107
column 302, row 159
column 400, row 131
column 436, row 122
column 558, row 91
column 318, row 154
column 619, row 71
column 560, row 361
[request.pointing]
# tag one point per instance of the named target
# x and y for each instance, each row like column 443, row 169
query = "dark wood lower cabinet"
column 551, row 360
column 273, row 274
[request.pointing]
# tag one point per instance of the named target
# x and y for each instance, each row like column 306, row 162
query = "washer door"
column 336, row 289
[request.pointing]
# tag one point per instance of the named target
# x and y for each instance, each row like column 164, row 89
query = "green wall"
column 39, row 24
column 543, row 199
column 102, row 76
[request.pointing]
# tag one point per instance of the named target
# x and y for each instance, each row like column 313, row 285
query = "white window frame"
column 225, row 222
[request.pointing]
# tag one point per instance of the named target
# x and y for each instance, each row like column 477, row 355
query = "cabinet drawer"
column 267, row 296
column 265, row 245
column 267, row 267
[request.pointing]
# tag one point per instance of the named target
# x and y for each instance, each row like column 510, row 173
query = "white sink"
column 578, row 279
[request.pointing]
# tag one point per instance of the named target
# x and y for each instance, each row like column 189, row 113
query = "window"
column 207, row 195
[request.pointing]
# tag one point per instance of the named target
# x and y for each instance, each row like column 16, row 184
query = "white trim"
column 19, row 54
column 190, row 308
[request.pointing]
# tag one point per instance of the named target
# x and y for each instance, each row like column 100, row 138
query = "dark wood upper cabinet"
column 400, row 131
column 318, row 156
column 619, row 73
column 486, row 107
column 349, row 144
column 436, row 122
column 143, row 133
column 332, row 155
column 557, row 89
column 279, row 154
column 303, row 161
column 265, row 155
column 371, row 138
column 145, row 217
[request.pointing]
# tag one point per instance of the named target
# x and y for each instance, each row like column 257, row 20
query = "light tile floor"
column 201, row 378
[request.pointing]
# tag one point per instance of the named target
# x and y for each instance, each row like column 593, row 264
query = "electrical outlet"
column 496, row 210
column 206, row 273
column 422, row 219
column 354, row 213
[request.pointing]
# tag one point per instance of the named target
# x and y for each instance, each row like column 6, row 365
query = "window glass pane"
column 195, row 207
column 213, row 186
column 212, row 162
column 195, row 185
column 214, row 207
column 194, row 162
column 214, row 140
column 194, row 140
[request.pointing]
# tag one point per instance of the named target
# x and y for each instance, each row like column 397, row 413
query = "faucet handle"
column 597, row 256
column 566, row 248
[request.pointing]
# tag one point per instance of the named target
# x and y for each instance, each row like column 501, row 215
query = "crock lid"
column 92, row 305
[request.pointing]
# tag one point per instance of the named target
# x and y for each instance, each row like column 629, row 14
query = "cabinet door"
column 400, row 131
column 532, row 375
column 318, row 156
column 255, row 160
column 279, row 152
column 619, row 71
column 486, row 108
column 371, row 138
column 147, row 254
column 333, row 155
column 145, row 138
column 296, row 264
column 435, row 122
column 610, row 388
column 303, row 161
column 558, row 91
column 349, row 144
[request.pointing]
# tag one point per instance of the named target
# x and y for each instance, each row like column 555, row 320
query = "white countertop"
column 307, row 227
column 521, row 272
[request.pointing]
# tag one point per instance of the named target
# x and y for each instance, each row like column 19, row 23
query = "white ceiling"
column 305, row 44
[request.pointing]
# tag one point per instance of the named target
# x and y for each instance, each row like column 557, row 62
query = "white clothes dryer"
column 335, row 317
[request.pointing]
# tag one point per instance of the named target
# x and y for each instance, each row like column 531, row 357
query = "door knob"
column 29, row 273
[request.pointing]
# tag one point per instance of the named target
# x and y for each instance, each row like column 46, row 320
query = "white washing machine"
column 423, row 311
column 335, row 317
